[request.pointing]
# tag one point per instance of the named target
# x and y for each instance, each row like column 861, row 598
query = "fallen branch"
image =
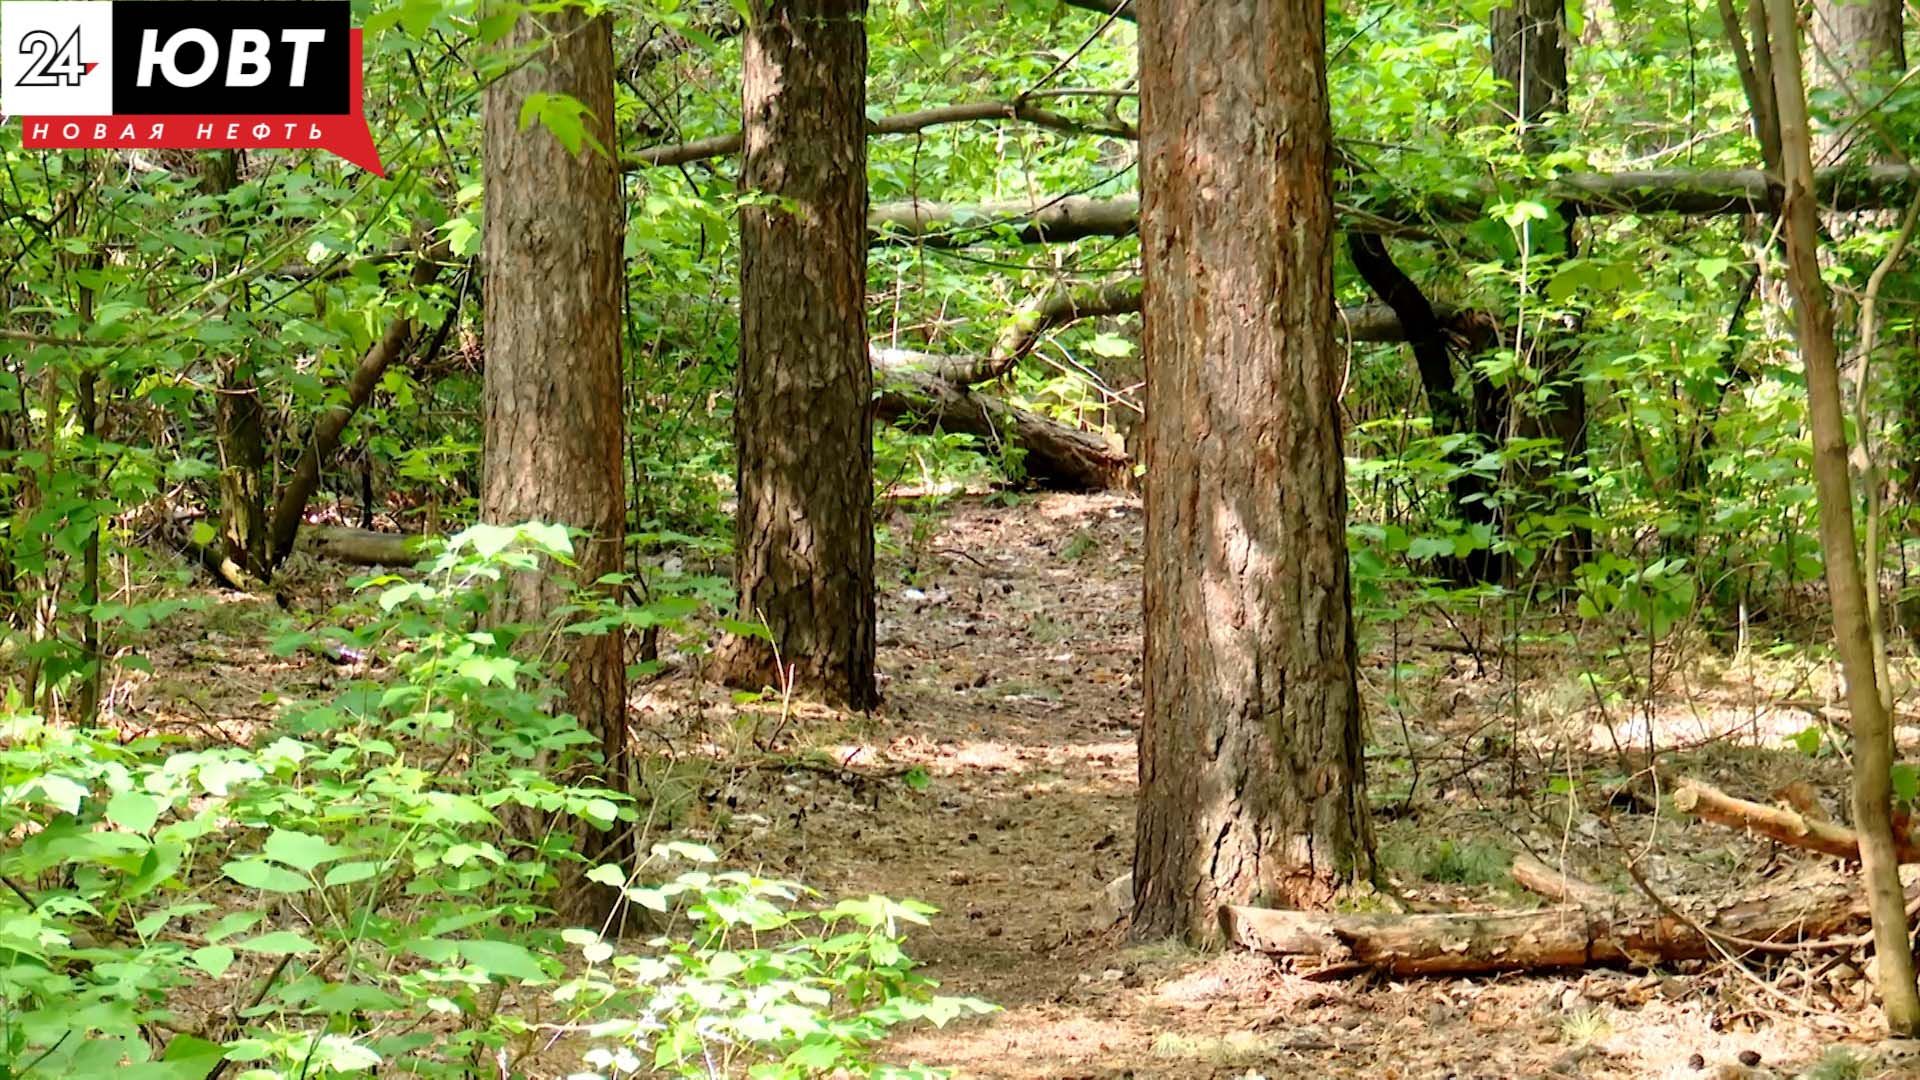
column 1056, row 456
column 1065, row 305
column 716, row 146
column 1819, row 914
column 288, row 512
column 1660, row 191
column 1789, row 827
column 363, row 547
column 1537, row 877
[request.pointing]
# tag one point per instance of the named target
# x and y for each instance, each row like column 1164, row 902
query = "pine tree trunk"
column 1251, row 772
column 803, row 424
column 553, row 396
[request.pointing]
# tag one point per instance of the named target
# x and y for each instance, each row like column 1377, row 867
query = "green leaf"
column 133, row 810
column 212, row 959
column 1906, row 783
column 232, row 924
column 503, row 958
column 62, row 793
column 302, row 851
column 263, row 875
column 601, row 812
column 349, row 873
column 819, row 1054
column 416, row 16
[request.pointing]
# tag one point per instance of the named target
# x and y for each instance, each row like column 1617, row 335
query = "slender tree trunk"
column 239, row 422
column 239, row 429
column 87, row 405
column 553, row 383
column 1251, row 769
column 1853, row 634
column 803, row 423
column 1482, row 413
column 1529, row 39
column 14, row 480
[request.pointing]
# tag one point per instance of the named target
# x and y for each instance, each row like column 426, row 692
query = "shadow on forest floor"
column 1009, row 641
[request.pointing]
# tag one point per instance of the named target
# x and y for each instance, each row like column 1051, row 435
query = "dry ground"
column 1009, row 636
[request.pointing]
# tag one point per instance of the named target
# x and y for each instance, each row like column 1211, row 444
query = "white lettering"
column 247, row 60
column 301, row 40
column 165, row 57
column 204, row 131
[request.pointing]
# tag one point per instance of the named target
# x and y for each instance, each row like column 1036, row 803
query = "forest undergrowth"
column 997, row 783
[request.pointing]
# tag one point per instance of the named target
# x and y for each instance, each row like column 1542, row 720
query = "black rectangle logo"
column 262, row 58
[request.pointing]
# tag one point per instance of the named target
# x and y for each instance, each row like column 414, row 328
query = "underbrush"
column 344, row 894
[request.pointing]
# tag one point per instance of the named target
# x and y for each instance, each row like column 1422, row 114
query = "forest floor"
column 1009, row 641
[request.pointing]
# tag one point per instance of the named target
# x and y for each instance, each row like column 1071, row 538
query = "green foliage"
column 355, row 864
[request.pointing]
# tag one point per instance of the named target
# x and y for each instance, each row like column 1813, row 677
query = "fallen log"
column 362, row 547
column 1555, row 884
column 1707, row 193
column 907, row 123
column 1063, row 306
column 1787, row 826
column 1572, row 936
column 398, row 340
column 1056, row 456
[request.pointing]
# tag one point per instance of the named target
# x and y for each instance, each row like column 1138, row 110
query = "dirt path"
column 1010, row 639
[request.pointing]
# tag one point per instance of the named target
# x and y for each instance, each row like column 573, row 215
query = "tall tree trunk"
column 239, row 422
column 803, row 424
column 1251, row 770
column 553, row 385
column 1853, row 633
column 1530, row 58
column 1857, row 46
column 1529, row 39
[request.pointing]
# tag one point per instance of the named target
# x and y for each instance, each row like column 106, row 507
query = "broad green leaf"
column 503, row 958
column 212, row 959
column 302, row 851
column 263, row 875
column 133, row 810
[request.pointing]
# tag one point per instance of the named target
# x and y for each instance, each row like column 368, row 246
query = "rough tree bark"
column 553, row 396
column 1857, row 46
column 803, row 420
column 1853, row 634
column 1251, row 769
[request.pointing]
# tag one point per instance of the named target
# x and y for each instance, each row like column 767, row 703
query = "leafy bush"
column 342, row 893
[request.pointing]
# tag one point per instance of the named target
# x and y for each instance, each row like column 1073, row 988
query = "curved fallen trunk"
column 1056, row 456
column 362, row 547
column 1789, row 827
